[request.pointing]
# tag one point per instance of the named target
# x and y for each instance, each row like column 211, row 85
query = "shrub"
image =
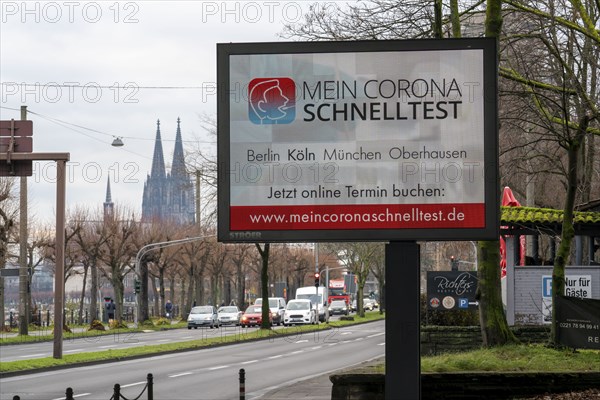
column 162, row 321
column 96, row 326
column 115, row 325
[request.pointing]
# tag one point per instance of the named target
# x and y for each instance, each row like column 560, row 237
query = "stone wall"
column 463, row 385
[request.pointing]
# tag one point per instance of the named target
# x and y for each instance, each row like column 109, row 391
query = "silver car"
column 203, row 316
column 229, row 315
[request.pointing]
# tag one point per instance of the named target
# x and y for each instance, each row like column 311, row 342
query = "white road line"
column 381, row 344
column 358, row 339
column 249, row 362
column 297, row 352
column 75, row 395
column 331, row 344
column 219, row 367
column 181, row 374
column 133, row 384
column 302, row 341
column 346, row 341
column 376, row 334
column 188, row 337
column 163, row 340
column 316, row 347
column 274, row 357
column 346, row 333
column 107, row 346
column 32, row 355
column 72, row 351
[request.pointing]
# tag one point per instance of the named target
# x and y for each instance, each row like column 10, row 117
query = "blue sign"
column 546, row 286
column 463, row 303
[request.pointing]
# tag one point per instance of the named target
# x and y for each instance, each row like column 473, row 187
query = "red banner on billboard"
column 358, row 216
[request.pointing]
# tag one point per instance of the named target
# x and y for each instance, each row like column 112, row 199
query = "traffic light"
column 137, row 286
column 317, row 276
column 454, row 263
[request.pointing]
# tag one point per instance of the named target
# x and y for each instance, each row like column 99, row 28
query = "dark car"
column 253, row 317
column 339, row 307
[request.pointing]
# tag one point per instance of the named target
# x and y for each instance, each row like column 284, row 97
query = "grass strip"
column 515, row 358
column 292, row 333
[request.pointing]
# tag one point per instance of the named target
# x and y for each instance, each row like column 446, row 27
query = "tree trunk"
column 144, row 306
column 94, row 293
column 241, row 287
column 568, row 232
column 494, row 328
column 264, row 283
column 156, row 297
column 82, row 302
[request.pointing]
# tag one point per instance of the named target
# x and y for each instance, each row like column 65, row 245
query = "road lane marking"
column 346, row 333
column 316, row 347
column 297, row 352
column 107, row 346
column 381, row 344
column 188, row 337
column 302, row 341
column 331, row 344
column 219, row 367
column 358, row 339
column 346, row 341
column 376, row 334
column 249, row 362
column 133, row 384
column 72, row 351
column 181, row 374
column 274, row 357
column 163, row 340
column 32, row 355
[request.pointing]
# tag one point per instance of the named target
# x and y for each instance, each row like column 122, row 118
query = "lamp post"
column 155, row 246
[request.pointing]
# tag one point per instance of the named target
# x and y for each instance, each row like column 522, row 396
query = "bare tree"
column 8, row 212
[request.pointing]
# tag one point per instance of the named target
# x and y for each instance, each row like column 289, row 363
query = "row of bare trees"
column 549, row 54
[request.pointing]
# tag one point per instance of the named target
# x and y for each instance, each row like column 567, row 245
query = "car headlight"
column 274, row 314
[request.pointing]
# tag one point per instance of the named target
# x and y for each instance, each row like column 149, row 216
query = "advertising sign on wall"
column 578, row 322
column 451, row 290
column 381, row 140
column 575, row 286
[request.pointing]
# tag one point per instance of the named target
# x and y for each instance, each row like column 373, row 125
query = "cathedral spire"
column 108, row 204
column 178, row 165
column 158, row 159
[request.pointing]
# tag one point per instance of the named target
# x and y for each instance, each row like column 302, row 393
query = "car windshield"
column 312, row 297
column 254, row 310
column 298, row 305
column 228, row 309
column 273, row 303
column 201, row 310
column 338, row 303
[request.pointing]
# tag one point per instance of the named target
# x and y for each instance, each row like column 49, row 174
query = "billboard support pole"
column 403, row 354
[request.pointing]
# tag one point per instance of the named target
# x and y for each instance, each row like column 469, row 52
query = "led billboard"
column 357, row 141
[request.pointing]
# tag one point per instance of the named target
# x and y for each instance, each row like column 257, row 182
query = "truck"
column 338, row 291
column 318, row 297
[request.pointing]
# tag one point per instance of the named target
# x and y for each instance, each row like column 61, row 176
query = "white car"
column 229, row 315
column 299, row 311
column 203, row 316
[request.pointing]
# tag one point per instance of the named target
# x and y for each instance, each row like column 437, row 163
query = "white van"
column 318, row 297
column 276, row 306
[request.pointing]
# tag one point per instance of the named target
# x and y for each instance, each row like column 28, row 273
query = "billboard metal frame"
column 490, row 231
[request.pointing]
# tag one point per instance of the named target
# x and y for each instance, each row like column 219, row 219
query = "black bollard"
column 16, row 397
column 69, row 394
column 150, row 388
column 242, row 384
column 117, row 392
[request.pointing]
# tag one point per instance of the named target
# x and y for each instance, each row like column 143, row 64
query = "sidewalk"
column 317, row 388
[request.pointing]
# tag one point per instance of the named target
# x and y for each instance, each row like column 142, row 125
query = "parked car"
column 253, row 317
column 339, row 307
column 203, row 316
column 299, row 311
column 229, row 315
column 368, row 305
column 277, row 307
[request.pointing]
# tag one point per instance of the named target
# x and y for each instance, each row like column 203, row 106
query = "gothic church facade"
column 168, row 197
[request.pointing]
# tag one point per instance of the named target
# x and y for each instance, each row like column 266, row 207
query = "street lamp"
column 150, row 247
column 117, row 142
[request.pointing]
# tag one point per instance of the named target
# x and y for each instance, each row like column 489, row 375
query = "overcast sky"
column 107, row 59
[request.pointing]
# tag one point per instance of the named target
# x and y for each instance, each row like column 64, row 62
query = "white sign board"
column 575, row 286
column 320, row 144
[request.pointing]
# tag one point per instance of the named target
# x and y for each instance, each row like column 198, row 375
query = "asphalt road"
column 118, row 340
column 211, row 373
